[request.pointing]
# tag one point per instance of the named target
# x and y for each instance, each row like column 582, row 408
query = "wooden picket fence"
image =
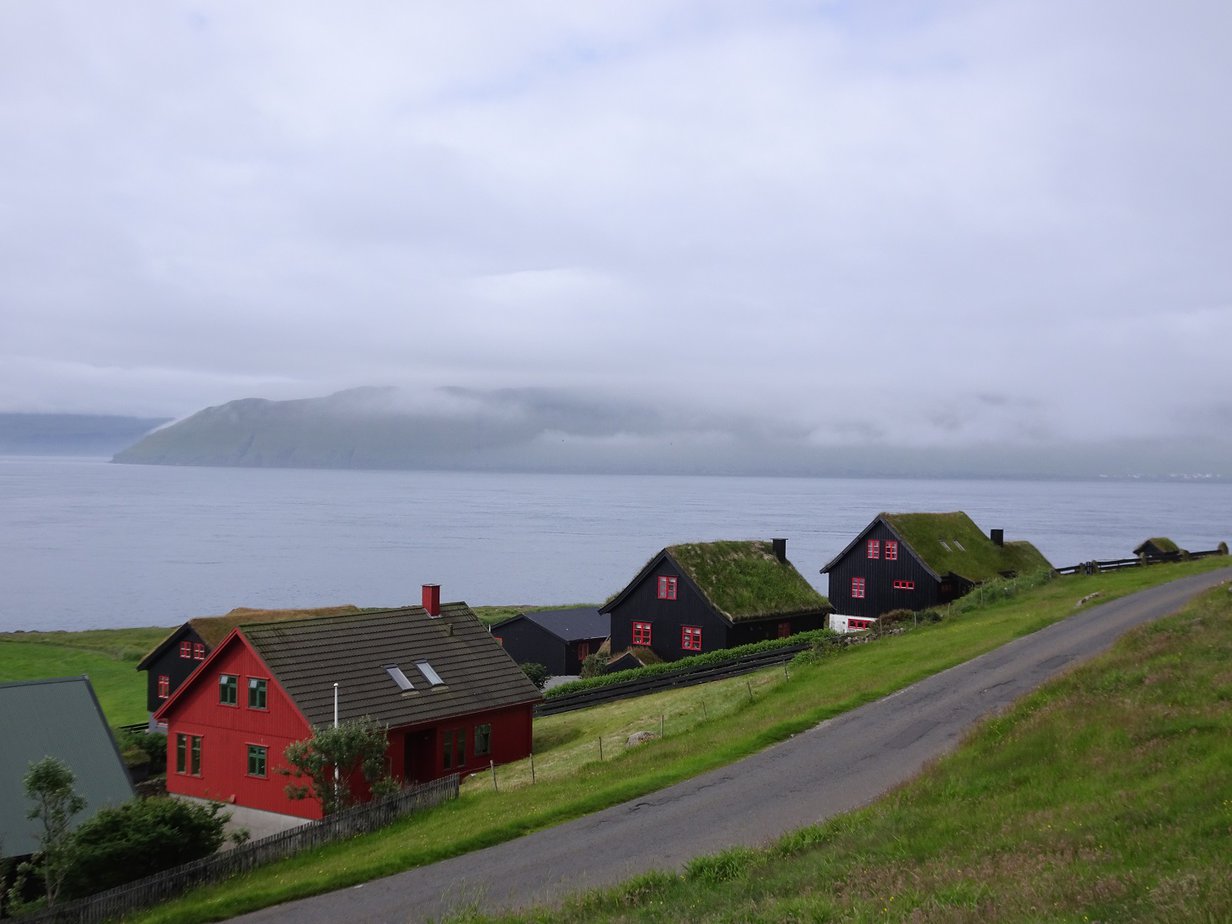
column 172, row 883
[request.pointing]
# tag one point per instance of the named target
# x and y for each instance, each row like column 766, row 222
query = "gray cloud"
column 945, row 221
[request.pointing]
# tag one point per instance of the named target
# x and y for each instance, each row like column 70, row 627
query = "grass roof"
column 745, row 580
column 952, row 543
column 213, row 629
column 1163, row 543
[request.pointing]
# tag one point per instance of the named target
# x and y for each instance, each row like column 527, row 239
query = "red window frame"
column 691, row 638
column 891, row 550
column 904, row 585
column 784, row 629
column 873, row 548
column 641, row 634
column 857, row 588
column 199, row 651
column 164, row 686
column 858, row 624
column 185, row 649
column 668, row 587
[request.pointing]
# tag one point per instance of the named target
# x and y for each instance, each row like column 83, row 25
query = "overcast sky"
column 919, row 222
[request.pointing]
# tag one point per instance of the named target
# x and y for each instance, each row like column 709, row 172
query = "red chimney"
column 432, row 599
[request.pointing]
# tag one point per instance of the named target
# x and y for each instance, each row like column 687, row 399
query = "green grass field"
column 107, row 656
column 1105, row 796
column 814, row 692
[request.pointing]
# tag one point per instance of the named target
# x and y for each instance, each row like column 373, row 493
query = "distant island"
column 543, row 430
column 71, row 434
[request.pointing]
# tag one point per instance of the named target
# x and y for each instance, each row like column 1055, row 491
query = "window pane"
column 256, row 693
column 181, row 753
column 196, row 755
column 483, row 739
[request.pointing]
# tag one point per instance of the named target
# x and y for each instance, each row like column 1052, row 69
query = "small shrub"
column 536, row 673
column 594, row 665
column 152, row 744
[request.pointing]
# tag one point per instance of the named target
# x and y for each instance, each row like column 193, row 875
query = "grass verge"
column 1104, row 796
column 482, row 817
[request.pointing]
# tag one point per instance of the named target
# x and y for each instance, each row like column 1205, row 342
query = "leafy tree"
column 139, row 838
column 356, row 746
column 537, row 673
column 49, row 785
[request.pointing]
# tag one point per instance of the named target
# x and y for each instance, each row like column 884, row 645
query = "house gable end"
column 633, row 585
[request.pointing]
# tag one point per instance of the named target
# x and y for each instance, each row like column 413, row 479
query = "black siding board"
column 879, row 577
column 668, row 617
column 170, row 663
column 527, row 643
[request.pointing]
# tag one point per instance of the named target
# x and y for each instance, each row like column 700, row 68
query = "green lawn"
column 814, row 692
column 1105, row 796
column 107, row 656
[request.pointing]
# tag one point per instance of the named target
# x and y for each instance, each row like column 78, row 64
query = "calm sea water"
column 89, row 544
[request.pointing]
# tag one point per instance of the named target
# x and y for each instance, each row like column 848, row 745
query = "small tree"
column 49, row 784
column 353, row 746
column 537, row 673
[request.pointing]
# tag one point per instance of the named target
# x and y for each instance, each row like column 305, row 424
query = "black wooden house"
column 560, row 640
column 698, row 597
column 914, row 561
column 173, row 660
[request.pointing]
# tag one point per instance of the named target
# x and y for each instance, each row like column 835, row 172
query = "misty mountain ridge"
column 548, row 430
column 71, row 434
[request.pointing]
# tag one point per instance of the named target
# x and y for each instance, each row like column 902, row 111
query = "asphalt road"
column 837, row 766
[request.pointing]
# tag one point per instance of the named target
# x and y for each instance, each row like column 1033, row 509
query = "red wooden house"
column 452, row 698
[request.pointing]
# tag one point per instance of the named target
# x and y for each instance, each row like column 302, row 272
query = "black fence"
column 1117, row 564
column 684, row 677
column 172, row 883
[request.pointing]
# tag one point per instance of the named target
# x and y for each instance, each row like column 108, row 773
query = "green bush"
column 140, row 838
column 536, row 673
column 152, row 745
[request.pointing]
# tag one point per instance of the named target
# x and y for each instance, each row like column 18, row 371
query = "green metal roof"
column 54, row 718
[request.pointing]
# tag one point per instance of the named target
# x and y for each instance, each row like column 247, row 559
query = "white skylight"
column 429, row 674
column 958, row 544
column 945, row 545
column 399, row 678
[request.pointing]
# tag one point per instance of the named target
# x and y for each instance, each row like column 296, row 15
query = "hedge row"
column 709, row 659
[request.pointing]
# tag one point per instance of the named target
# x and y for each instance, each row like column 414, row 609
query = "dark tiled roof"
column 582, row 622
column 307, row 656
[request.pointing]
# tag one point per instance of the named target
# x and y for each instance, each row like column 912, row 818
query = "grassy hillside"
column 1105, row 796
column 814, row 692
column 107, row 656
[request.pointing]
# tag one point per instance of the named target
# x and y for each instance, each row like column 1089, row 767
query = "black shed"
column 560, row 640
